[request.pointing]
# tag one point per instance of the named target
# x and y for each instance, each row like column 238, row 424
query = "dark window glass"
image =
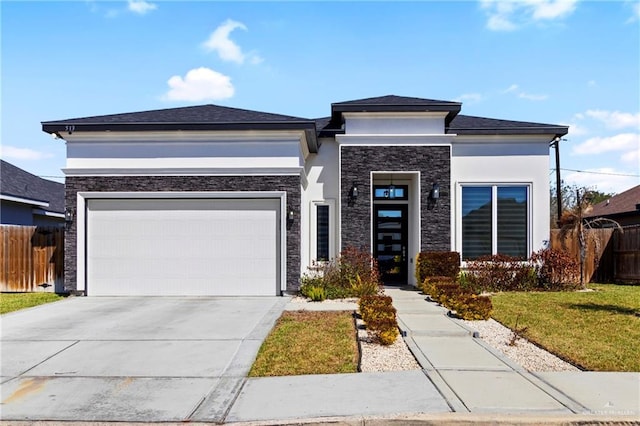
column 322, row 237
column 476, row 222
column 512, row 221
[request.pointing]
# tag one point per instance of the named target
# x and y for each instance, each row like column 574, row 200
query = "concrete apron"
column 131, row 359
column 476, row 378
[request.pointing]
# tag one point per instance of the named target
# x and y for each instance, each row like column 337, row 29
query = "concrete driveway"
column 131, row 358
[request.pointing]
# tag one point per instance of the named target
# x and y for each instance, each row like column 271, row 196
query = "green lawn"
column 10, row 302
column 309, row 343
column 597, row 330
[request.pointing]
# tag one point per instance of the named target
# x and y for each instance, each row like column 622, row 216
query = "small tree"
column 573, row 221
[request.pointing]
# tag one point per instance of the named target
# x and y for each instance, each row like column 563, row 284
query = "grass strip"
column 306, row 342
column 597, row 330
column 10, row 302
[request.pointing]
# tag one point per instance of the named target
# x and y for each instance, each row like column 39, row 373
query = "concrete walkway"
column 462, row 381
column 476, row 378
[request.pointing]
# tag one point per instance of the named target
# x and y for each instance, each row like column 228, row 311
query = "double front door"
column 390, row 242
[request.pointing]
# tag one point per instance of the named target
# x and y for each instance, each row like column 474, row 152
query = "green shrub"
column 317, row 294
column 379, row 315
column 471, row 307
column 429, row 283
column 437, row 263
column 354, row 273
column 500, row 273
column 443, row 293
column 556, row 270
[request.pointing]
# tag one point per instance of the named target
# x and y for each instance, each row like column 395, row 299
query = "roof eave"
column 309, row 127
column 556, row 131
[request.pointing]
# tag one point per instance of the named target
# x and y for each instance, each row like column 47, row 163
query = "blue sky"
column 549, row 61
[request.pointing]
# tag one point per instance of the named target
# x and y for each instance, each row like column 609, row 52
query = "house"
column 27, row 199
column 212, row 200
column 624, row 208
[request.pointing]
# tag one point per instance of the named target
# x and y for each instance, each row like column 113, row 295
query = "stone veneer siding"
column 290, row 184
column 434, row 165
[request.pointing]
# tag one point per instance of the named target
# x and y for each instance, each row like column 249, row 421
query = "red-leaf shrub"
column 437, row 264
column 556, row 270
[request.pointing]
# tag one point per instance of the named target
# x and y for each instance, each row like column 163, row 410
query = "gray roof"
column 398, row 101
column 22, row 184
column 470, row 125
column 203, row 117
column 216, row 117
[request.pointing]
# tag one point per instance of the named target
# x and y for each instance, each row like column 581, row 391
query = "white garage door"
column 183, row 247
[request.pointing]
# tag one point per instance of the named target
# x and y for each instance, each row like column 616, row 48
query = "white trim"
column 206, row 136
column 41, row 212
column 81, row 221
column 494, row 212
column 22, row 200
column 275, row 171
column 395, row 139
column 396, row 115
column 313, row 228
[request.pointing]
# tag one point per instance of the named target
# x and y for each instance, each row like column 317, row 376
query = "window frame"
column 494, row 213
column 313, row 230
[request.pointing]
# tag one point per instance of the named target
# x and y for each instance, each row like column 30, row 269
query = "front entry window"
column 495, row 220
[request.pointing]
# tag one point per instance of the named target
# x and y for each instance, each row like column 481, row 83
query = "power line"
column 597, row 173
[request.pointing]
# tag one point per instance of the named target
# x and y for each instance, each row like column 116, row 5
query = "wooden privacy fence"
column 611, row 255
column 32, row 258
column 626, row 254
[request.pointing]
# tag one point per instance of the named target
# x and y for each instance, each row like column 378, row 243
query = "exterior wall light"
column 435, row 191
column 290, row 216
column 68, row 215
column 353, row 192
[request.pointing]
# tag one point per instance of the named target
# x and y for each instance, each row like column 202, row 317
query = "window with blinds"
column 495, row 220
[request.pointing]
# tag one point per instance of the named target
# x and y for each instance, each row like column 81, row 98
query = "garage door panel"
column 183, row 247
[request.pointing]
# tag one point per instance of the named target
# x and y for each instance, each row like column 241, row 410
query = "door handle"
column 404, row 253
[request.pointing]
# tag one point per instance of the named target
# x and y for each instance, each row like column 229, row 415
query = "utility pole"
column 556, row 144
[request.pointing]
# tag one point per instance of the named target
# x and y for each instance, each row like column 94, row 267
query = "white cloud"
column 635, row 11
column 509, row 15
column 598, row 145
column 632, row 157
column 470, row 98
column 511, row 88
column 226, row 48
column 592, row 83
column 615, row 119
column 140, row 7
column 15, row 153
column 604, row 179
column 577, row 129
column 552, row 9
column 532, row 97
column 199, row 84
column 515, row 89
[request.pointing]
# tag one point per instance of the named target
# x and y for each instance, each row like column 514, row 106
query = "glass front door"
column 390, row 242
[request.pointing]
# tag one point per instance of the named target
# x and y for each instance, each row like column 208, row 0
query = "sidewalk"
column 476, row 378
column 462, row 381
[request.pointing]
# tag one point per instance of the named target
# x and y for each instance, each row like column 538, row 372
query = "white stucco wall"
column 322, row 184
column 503, row 160
column 394, row 123
column 185, row 152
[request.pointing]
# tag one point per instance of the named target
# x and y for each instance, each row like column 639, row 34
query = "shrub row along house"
column 212, row 200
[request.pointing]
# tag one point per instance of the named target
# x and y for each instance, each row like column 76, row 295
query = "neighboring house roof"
column 627, row 202
column 21, row 186
column 216, row 117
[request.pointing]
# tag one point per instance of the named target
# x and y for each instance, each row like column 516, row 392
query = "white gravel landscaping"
column 524, row 353
column 398, row 357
